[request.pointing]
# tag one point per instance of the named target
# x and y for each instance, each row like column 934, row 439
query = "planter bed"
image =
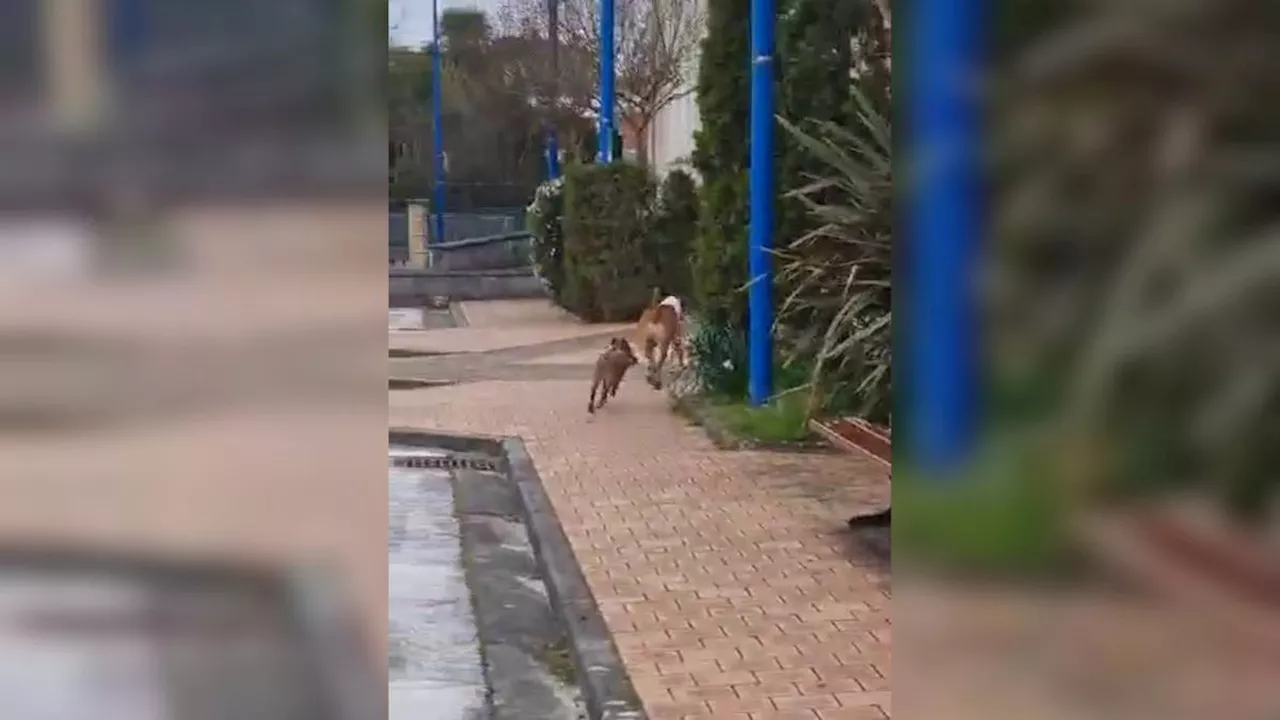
column 1189, row 553
column 856, row 435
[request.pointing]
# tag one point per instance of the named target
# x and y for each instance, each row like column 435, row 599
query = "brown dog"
column 611, row 366
column 661, row 328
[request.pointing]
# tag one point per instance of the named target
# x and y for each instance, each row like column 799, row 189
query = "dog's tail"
column 657, row 298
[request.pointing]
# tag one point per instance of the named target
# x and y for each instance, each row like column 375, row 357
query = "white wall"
column 671, row 136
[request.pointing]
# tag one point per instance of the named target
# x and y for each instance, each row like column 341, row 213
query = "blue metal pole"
column 437, row 114
column 553, row 156
column 127, row 31
column 553, row 38
column 606, row 126
column 760, row 241
column 945, row 232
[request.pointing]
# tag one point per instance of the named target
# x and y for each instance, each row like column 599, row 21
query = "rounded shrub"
column 544, row 218
column 675, row 229
column 609, row 248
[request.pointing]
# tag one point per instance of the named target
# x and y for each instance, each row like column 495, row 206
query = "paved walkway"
column 727, row 578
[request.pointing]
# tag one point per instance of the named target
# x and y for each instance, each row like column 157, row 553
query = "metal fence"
column 464, row 226
column 457, row 226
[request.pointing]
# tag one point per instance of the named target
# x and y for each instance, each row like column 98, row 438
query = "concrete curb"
column 408, row 383
column 459, row 314
column 606, row 687
column 605, row 684
column 475, row 444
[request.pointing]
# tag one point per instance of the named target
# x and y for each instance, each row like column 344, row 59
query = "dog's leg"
column 650, row 342
column 591, row 400
column 664, row 346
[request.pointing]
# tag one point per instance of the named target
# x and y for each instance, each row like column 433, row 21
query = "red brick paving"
column 726, row 577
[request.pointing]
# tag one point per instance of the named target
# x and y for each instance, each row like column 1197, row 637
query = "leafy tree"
column 492, row 115
column 720, row 156
column 816, row 45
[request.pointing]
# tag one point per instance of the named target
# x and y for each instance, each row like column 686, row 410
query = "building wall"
column 671, row 136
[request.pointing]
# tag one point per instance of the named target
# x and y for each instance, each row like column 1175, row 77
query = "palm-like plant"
column 1135, row 254
column 838, row 277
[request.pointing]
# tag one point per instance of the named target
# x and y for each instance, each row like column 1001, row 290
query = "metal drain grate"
column 448, row 462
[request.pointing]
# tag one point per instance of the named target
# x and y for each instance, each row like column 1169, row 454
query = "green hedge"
column 675, row 230
column 814, row 46
column 720, row 156
column 609, row 246
column 545, row 218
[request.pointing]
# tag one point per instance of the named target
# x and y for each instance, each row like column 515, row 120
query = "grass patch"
column 1004, row 518
column 781, row 421
column 559, row 662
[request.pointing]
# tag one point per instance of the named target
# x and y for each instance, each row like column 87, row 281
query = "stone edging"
column 605, row 685
column 868, row 441
column 408, row 383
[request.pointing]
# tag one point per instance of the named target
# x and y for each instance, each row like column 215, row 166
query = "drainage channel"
column 472, row 633
column 434, row 657
column 444, row 461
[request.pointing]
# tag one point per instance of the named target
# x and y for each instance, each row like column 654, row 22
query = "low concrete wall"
column 495, row 252
column 411, row 287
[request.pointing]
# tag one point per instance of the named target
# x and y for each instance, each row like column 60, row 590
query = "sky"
column 410, row 20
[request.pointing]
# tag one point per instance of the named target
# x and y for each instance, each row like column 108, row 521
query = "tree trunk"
column 642, row 141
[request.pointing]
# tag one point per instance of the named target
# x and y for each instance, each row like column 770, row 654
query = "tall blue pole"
column 944, row 233
column 553, row 155
column 127, row 31
column 553, row 38
column 437, row 114
column 760, row 241
column 605, row 130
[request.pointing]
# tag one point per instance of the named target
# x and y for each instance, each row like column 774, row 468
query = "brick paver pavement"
column 727, row 578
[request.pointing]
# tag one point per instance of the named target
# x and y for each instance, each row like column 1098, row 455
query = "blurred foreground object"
column 192, row 359
column 139, row 640
column 1115, row 553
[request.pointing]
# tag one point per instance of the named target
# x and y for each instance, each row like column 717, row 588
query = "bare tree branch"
column 655, row 43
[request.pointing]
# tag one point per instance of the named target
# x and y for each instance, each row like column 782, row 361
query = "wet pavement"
column 436, row 671
column 473, row 633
